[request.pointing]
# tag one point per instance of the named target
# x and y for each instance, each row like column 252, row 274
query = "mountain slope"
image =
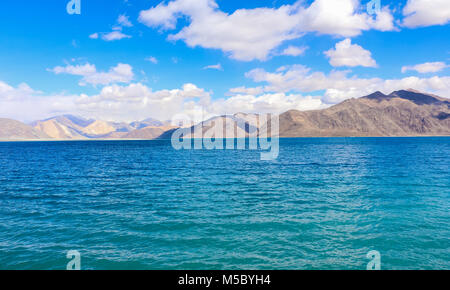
column 63, row 127
column 239, row 125
column 15, row 130
column 149, row 122
column 148, row 133
column 99, row 128
column 69, row 127
column 56, row 130
column 402, row 113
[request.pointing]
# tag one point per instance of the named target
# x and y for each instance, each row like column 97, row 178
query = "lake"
column 323, row 204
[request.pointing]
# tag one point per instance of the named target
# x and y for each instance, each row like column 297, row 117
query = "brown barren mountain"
column 149, row 133
column 233, row 126
column 15, row 130
column 65, row 127
column 402, row 113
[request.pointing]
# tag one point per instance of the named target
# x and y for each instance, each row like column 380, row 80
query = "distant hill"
column 63, row 127
column 15, row 130
column 402, row 113
column 148, row 133
column 99, row 128
column 149, row 122
column 237, row 125
column 69, row 127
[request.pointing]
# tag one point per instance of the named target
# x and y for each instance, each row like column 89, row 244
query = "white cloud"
column 246, row 91
column 348, row 54
column 122, row 73
column 249, row 34
column 8, row 92
column 287, row 88
column 124, row 21
column 244, row 35
column 420, row 13
column 25, row 104
column 428, row 67
column 152, row 59
column 137, row 101
column 79, row 70
column 114, row 35
column 215, row 66
column 342, row 18
column 338, row 86
column 266, row 103
column 294, row 50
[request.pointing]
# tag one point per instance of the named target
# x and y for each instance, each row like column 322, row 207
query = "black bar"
column 223, row 279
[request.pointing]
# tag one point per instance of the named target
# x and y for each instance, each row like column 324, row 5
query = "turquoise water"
column 323, row 204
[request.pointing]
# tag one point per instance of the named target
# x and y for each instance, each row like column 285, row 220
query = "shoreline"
column 125, row 140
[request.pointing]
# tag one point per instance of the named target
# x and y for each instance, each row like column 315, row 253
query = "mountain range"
column 401, row 113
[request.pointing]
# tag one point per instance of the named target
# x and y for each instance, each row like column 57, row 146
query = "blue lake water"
column 323, row 204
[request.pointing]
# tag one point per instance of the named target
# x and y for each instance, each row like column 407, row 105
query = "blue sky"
column 178, row 57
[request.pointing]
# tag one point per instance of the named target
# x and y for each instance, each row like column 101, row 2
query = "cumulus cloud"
column 249, row 34
column 244, row 35
column 8, row 92
column 122, row 73
column 339, row 86
column 294, row 50
column 93, row 36
column 348, row 54
column 428, row 67
column 287, row 88
column 342, row 18
column 137, row 101
column 420, row 13
column 275, row 103
column 26, row 104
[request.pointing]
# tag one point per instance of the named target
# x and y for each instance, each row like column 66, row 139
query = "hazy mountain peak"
column 149, row 122
column 80, row 121
column 376, row 95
